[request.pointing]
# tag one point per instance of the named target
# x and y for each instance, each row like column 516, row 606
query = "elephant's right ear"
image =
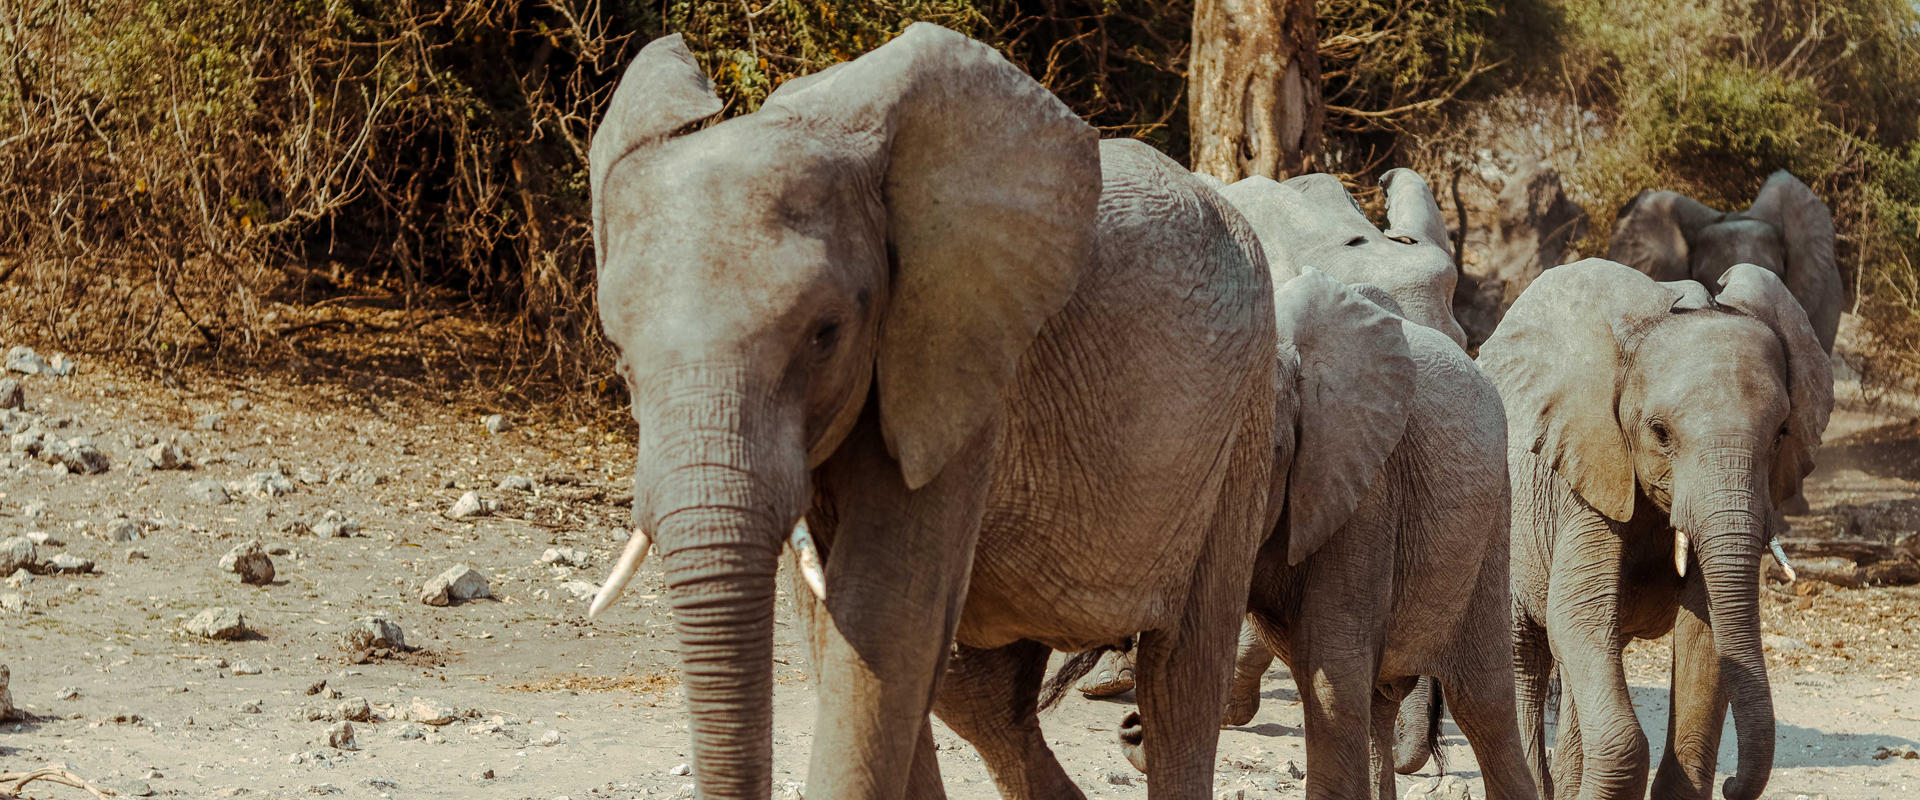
column 1654, row 233
column 1556, row 360
column 1759, row 293
column 1354, row 384
column 662, row 92
column 990, row 186
column 1807, row 226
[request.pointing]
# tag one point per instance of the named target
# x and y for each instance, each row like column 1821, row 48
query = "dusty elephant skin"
column 1654, row 428
column 1787, row 230
column 1388, row 554
column 1311, row 221
column 916, row 302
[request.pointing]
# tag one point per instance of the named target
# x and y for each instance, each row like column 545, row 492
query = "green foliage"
column 1731, row 115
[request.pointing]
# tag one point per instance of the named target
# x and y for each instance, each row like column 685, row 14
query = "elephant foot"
column 1242, row 705
column 1130, row 738
column 1112, row 676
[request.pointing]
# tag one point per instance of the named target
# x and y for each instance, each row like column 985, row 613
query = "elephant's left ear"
column 1354, row 384
column 1654, row 233
column 1807, row 225
column 1412, row 211
column 662, row 92
column 1760, row 294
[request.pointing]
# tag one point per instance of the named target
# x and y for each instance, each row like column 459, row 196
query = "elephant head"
column 1703, row 411
column 1787, row 230
column 1311, row 220
column 895, row 228
column 1343, row 386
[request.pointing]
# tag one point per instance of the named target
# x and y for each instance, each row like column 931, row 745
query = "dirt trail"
column 553, row 706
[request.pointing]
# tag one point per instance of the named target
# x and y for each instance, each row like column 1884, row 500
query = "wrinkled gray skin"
column 1637, row 409
column 914, row 300
column 1388, row 556
column 1787, row 230
column 1311, row 221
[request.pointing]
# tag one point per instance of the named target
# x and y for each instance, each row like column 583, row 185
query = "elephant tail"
column 1416, row 734
column 1076, row 667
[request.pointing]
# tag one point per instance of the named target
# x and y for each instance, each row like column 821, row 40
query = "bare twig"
column 50, row 775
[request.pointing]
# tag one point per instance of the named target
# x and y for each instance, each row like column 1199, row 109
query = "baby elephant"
column 1387, row 557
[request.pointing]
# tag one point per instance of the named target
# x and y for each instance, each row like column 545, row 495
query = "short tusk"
column 636, row 552
column 808, row 555
column 1781, row 556
column 1680, row 548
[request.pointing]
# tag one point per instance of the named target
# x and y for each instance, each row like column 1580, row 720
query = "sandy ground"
column 554, row 706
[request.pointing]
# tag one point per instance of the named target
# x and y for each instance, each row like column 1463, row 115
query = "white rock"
column 550, row 738
column 469, row 505
column 580, row 590
column 340, row 737
column 1445, row 787
column 355, row 709
column 215, row 421
column 45, row 539
column 681, row 769
column 516, row 483
column 264, row 485
column 334, row 525
column 409, row 730
column 244, row 668
column 496, row 423
column 431, row 712
column 18, row 553
column 26, row 362
column 69, row 563
column 165, row 456
column 123, row 530
column 249, row 561
column 60, row 365
column 15, row 603
column 458, row 584
column 217, row 623
column 211, row 493
column 564, row 556
column 374, row 632
column 11, row 395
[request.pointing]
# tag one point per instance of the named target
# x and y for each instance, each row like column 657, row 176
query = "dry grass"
column 648, row 683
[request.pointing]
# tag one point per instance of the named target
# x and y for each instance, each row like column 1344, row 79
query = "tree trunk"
column 1254, row 88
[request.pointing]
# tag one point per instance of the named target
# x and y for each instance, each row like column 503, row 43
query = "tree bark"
column 1254, row 88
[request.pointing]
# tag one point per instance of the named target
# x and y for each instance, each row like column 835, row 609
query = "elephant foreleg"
column 924, row 783
column 1583, row 612
column 1698, row 706
column 990, row 698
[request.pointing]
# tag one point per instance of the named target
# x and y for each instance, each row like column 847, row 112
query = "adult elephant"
column 1652, row 428
column 1787, row 230
column 915, row 301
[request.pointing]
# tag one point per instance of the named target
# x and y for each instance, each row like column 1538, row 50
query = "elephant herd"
column 999, row 388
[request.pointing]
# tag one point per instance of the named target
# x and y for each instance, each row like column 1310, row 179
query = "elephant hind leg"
column 1481, row 697
column 991, row 698
column 1416, row 731
column 1250, row 663
column 1532, row 672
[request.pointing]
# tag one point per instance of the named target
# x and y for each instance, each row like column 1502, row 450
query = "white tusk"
column 1781, row 556
column 636, row 552
column 1680, row 547
column 808, row 555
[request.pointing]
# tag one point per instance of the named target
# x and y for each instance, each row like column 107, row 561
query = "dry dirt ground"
column 552, row 705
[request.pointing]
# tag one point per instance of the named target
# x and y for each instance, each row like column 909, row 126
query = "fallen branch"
column 50, row 775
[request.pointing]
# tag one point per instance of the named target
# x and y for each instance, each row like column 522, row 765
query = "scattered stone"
column 334, row 525
column 1900, row 751
column 1445, row 787
column 340, row 737
column 136, row 554
column 239, row 404
column 15, row 603
column 123, row 530
column 372, row 632
column 68, row 563
column 26, row 362
column 35, row 509
column 550, row 738
column 459, row 584
column 564, row 556
column 409, row 731
column 1292, row 770
column 165, row 456
column 211, row 493
column 469, row 505
column 7, row 710
column 324, row 788
column 264, row 485
column 483, row 775
column 317, row 688
column 378, row 784
column 19, row 578
column 681, row 769
column 516, row 483
column 60, row 365
column 1119, row 778
column 793, row 790
column 497, row 423
column 244, row 668
column 431, row 712
column 309, row 476
column 11, row 395
column 18, row 553
column 1783, row 644
column 77, row 455
column 215, row 421
column 686, row 790
column 580, row 590
column 249, row 561
column 250, row 707
column 45, row 540
column 355, row 710
column 218, row 623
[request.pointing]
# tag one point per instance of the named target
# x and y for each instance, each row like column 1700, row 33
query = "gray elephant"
column 1653, row 429
column 1787, row 230
column 914, row 304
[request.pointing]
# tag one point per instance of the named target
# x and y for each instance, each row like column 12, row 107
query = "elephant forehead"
column 1703, row 358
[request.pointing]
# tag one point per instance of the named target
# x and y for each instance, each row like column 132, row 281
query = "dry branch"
column 50, row 775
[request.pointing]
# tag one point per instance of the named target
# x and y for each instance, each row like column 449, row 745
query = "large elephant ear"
column 1354, row 383
column 1759, row 293
column 1556, row 360
column 662, row 92
column 1411, row 210
column 1807, row 226
column 1654, row 233
column 990, row 185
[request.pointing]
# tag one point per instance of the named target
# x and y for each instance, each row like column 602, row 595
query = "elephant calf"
column 1653, row 427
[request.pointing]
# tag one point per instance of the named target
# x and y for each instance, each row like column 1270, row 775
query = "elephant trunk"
column 1729, row 524
column 720, row 498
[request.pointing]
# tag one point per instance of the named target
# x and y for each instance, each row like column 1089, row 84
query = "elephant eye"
column 825, row 337
column 1356, row 241
column 1780, row 437
column 1660, row 432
